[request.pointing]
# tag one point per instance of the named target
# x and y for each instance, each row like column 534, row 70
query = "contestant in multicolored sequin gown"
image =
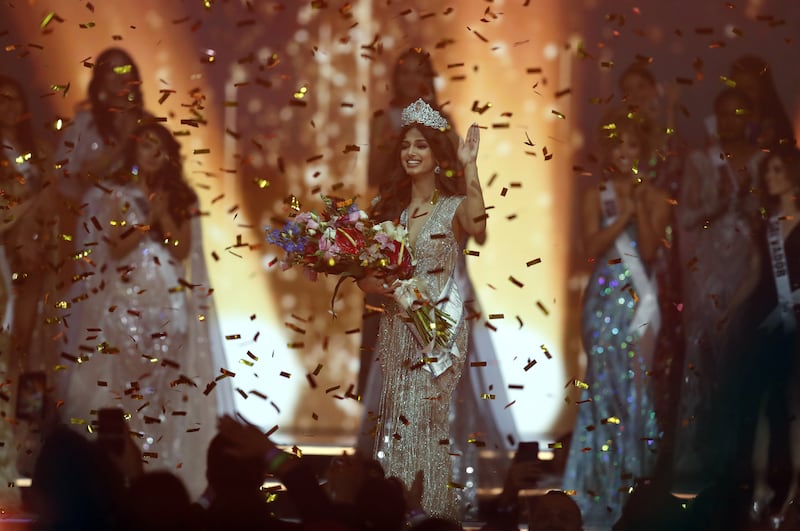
column 616, row 413
column 624, row 223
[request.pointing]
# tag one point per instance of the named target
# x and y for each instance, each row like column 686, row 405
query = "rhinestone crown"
column 420, row 112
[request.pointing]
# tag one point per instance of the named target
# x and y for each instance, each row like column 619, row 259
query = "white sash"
column 647, row 316
column 783, row 314
column 437, row 361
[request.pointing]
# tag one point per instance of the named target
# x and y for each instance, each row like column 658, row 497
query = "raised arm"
column 471, row 213
column 596, row 238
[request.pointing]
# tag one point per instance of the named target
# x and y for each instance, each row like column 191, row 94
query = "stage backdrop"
column 272, row 99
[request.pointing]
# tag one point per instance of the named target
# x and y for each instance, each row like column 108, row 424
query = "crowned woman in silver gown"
column 435, row 193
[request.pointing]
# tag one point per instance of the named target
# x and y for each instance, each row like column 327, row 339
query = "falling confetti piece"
column 542, row 308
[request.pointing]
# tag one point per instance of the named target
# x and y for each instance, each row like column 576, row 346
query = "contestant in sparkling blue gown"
column 614, row 436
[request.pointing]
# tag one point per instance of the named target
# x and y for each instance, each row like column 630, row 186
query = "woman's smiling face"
column 416, row 154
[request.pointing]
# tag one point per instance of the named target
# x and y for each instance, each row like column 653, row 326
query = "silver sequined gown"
column 415, row 407
column 144, row 340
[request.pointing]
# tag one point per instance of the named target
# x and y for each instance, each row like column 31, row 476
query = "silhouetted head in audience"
column 381, row 504
column 347, row 473
column 651, row 507
column 75, row 485
column 721, row 506
column 159, row 500
column 437, row 524
column 229, row 474
column 554, row 511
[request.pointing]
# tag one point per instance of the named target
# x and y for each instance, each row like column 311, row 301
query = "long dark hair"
column 791, row 161
column 769, row 104
column 169, row 179
column 101, row 111
column 395, row 190
column 24, row 127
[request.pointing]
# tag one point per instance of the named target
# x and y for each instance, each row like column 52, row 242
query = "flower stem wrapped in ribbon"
column 432, row 325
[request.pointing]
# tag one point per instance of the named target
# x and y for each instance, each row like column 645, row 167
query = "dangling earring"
column 438, row 169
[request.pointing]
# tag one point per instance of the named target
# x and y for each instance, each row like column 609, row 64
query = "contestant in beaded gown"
column 143, row 319
column 415, row 406
column 433, row 190
column 717, row 212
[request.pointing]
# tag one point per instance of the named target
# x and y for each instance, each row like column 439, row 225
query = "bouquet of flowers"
column 342, row 240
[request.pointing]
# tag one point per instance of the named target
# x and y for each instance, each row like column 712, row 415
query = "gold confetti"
column 48, row 19
column 580, row 384
column 542, row 308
